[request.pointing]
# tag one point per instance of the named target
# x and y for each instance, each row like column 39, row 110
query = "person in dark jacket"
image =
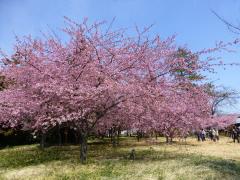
column 235, row 134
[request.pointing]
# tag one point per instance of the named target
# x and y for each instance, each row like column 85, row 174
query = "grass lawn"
column 154, row 160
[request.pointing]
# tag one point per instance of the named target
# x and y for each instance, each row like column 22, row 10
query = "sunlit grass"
column 154, row 160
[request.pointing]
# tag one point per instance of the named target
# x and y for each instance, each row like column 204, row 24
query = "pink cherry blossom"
column 100, row 78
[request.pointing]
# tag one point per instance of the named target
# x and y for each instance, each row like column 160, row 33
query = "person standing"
column 235, row 134
column 238, row 134
column 198, row 133
column 214, row 135
column 217, row 134
column 211, row 134
column 203, row 135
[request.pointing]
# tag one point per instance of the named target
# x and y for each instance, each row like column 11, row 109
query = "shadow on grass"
column 104, row 154
column 223, row 167
column 22, row 157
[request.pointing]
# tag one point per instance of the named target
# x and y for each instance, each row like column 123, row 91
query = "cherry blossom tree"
column 99, row 78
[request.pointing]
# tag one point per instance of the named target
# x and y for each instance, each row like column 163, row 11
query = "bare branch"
column 230, row 26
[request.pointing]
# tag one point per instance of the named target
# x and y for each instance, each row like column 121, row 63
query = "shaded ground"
column 154, row 160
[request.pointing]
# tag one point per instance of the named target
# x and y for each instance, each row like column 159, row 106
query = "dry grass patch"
column 180, row 160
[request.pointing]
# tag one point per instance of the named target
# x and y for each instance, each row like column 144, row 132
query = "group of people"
column 235, row 134
column 212, row 134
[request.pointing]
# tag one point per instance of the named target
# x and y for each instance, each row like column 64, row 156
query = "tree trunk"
column 138, row 136
column 114, row 141
column 167, row 139
column 83, row 148
column 118, row 135
column 111, row 134
column 65, row 136
column 43, row 141
column 59, row 136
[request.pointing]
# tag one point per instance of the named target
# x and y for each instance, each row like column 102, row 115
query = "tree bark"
column 167, row 139
column 65, row 136
column 138, row 136
column 43, row 141
column 114, row 141
column 83, row 148
column 118, row 135
column 111, row 134
column 59, row 136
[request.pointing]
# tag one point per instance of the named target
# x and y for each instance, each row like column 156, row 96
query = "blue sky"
column 191, row 20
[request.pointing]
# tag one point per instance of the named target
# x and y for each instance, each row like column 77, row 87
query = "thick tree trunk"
column 59, row 136
column 167, row 139
column 139, row 135
column 43, row 141
column 83, row 148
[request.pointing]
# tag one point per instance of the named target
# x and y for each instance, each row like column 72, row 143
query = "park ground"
column 154, row 160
